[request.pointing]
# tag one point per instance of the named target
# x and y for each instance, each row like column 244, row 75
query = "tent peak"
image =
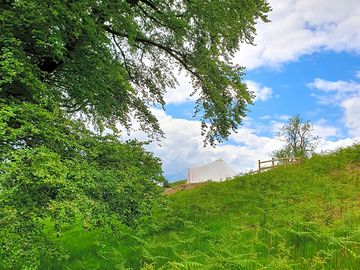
column 217, row 170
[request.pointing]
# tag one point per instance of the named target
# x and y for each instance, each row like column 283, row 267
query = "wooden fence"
column 276, row 162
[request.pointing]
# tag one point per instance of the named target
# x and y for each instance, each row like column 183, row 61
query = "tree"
column 54, row 173
column 106, row 62
column 299, row 138
column 113, row 59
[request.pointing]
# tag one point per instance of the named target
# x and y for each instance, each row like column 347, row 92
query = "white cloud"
column 357, row 74
column 345, row 94
column 327, row 145
column 325, row 131
column 275, row 126
column 265, row 117
column 338, row 86
column 300, row 27
column 284, row 117
column 248, row 137
column 183, row 147
column 261, row 92
column 351, row 108
column 182, row 93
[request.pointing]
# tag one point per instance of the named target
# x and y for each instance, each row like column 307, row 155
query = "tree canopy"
column 299, row 139
column 113, row 59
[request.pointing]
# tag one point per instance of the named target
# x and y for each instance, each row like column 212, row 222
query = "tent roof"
column 217, row 170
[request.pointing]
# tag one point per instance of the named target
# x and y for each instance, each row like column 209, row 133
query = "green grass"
column 303, row 216
column 178, row 183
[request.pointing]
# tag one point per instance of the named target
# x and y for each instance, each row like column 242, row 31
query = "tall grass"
column 303, row 216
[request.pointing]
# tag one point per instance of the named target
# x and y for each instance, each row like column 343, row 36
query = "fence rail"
column 276, row 162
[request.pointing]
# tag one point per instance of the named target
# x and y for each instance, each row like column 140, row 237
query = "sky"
column 306, row 61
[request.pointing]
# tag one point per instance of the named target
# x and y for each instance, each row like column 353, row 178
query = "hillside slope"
column 298, row 217
column 303, row 216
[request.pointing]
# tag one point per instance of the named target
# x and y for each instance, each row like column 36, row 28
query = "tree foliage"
column 299, row 139
column 68, row 176
column 108, row 59
column 109, row 62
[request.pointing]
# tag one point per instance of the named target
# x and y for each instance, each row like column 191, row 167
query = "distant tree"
column 299, row 138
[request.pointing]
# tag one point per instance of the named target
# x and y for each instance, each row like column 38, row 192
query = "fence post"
column 259, row 166
column 272, row 163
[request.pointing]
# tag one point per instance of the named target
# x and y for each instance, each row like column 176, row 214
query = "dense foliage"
column 63, row 63
column 55, row 172
column 108, row 59
column 299, row 139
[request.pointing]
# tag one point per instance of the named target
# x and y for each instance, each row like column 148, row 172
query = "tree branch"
column 124, row 58
column 181, row 58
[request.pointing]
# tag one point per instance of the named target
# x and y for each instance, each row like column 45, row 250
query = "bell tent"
column 216, row 171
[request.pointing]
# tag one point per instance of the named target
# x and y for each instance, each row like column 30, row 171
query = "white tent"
column 216, row 171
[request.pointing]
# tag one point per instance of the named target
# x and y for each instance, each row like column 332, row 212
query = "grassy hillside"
column 177, row 183
column 303, row 216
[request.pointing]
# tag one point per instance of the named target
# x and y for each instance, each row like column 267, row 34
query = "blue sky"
column 306, row 62
column 291, row 94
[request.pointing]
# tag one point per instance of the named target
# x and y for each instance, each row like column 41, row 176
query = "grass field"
column 304, row 216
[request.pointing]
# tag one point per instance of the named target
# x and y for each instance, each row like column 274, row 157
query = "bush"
column 55, row 172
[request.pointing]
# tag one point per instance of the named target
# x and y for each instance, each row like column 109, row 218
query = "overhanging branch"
column 180, row 57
